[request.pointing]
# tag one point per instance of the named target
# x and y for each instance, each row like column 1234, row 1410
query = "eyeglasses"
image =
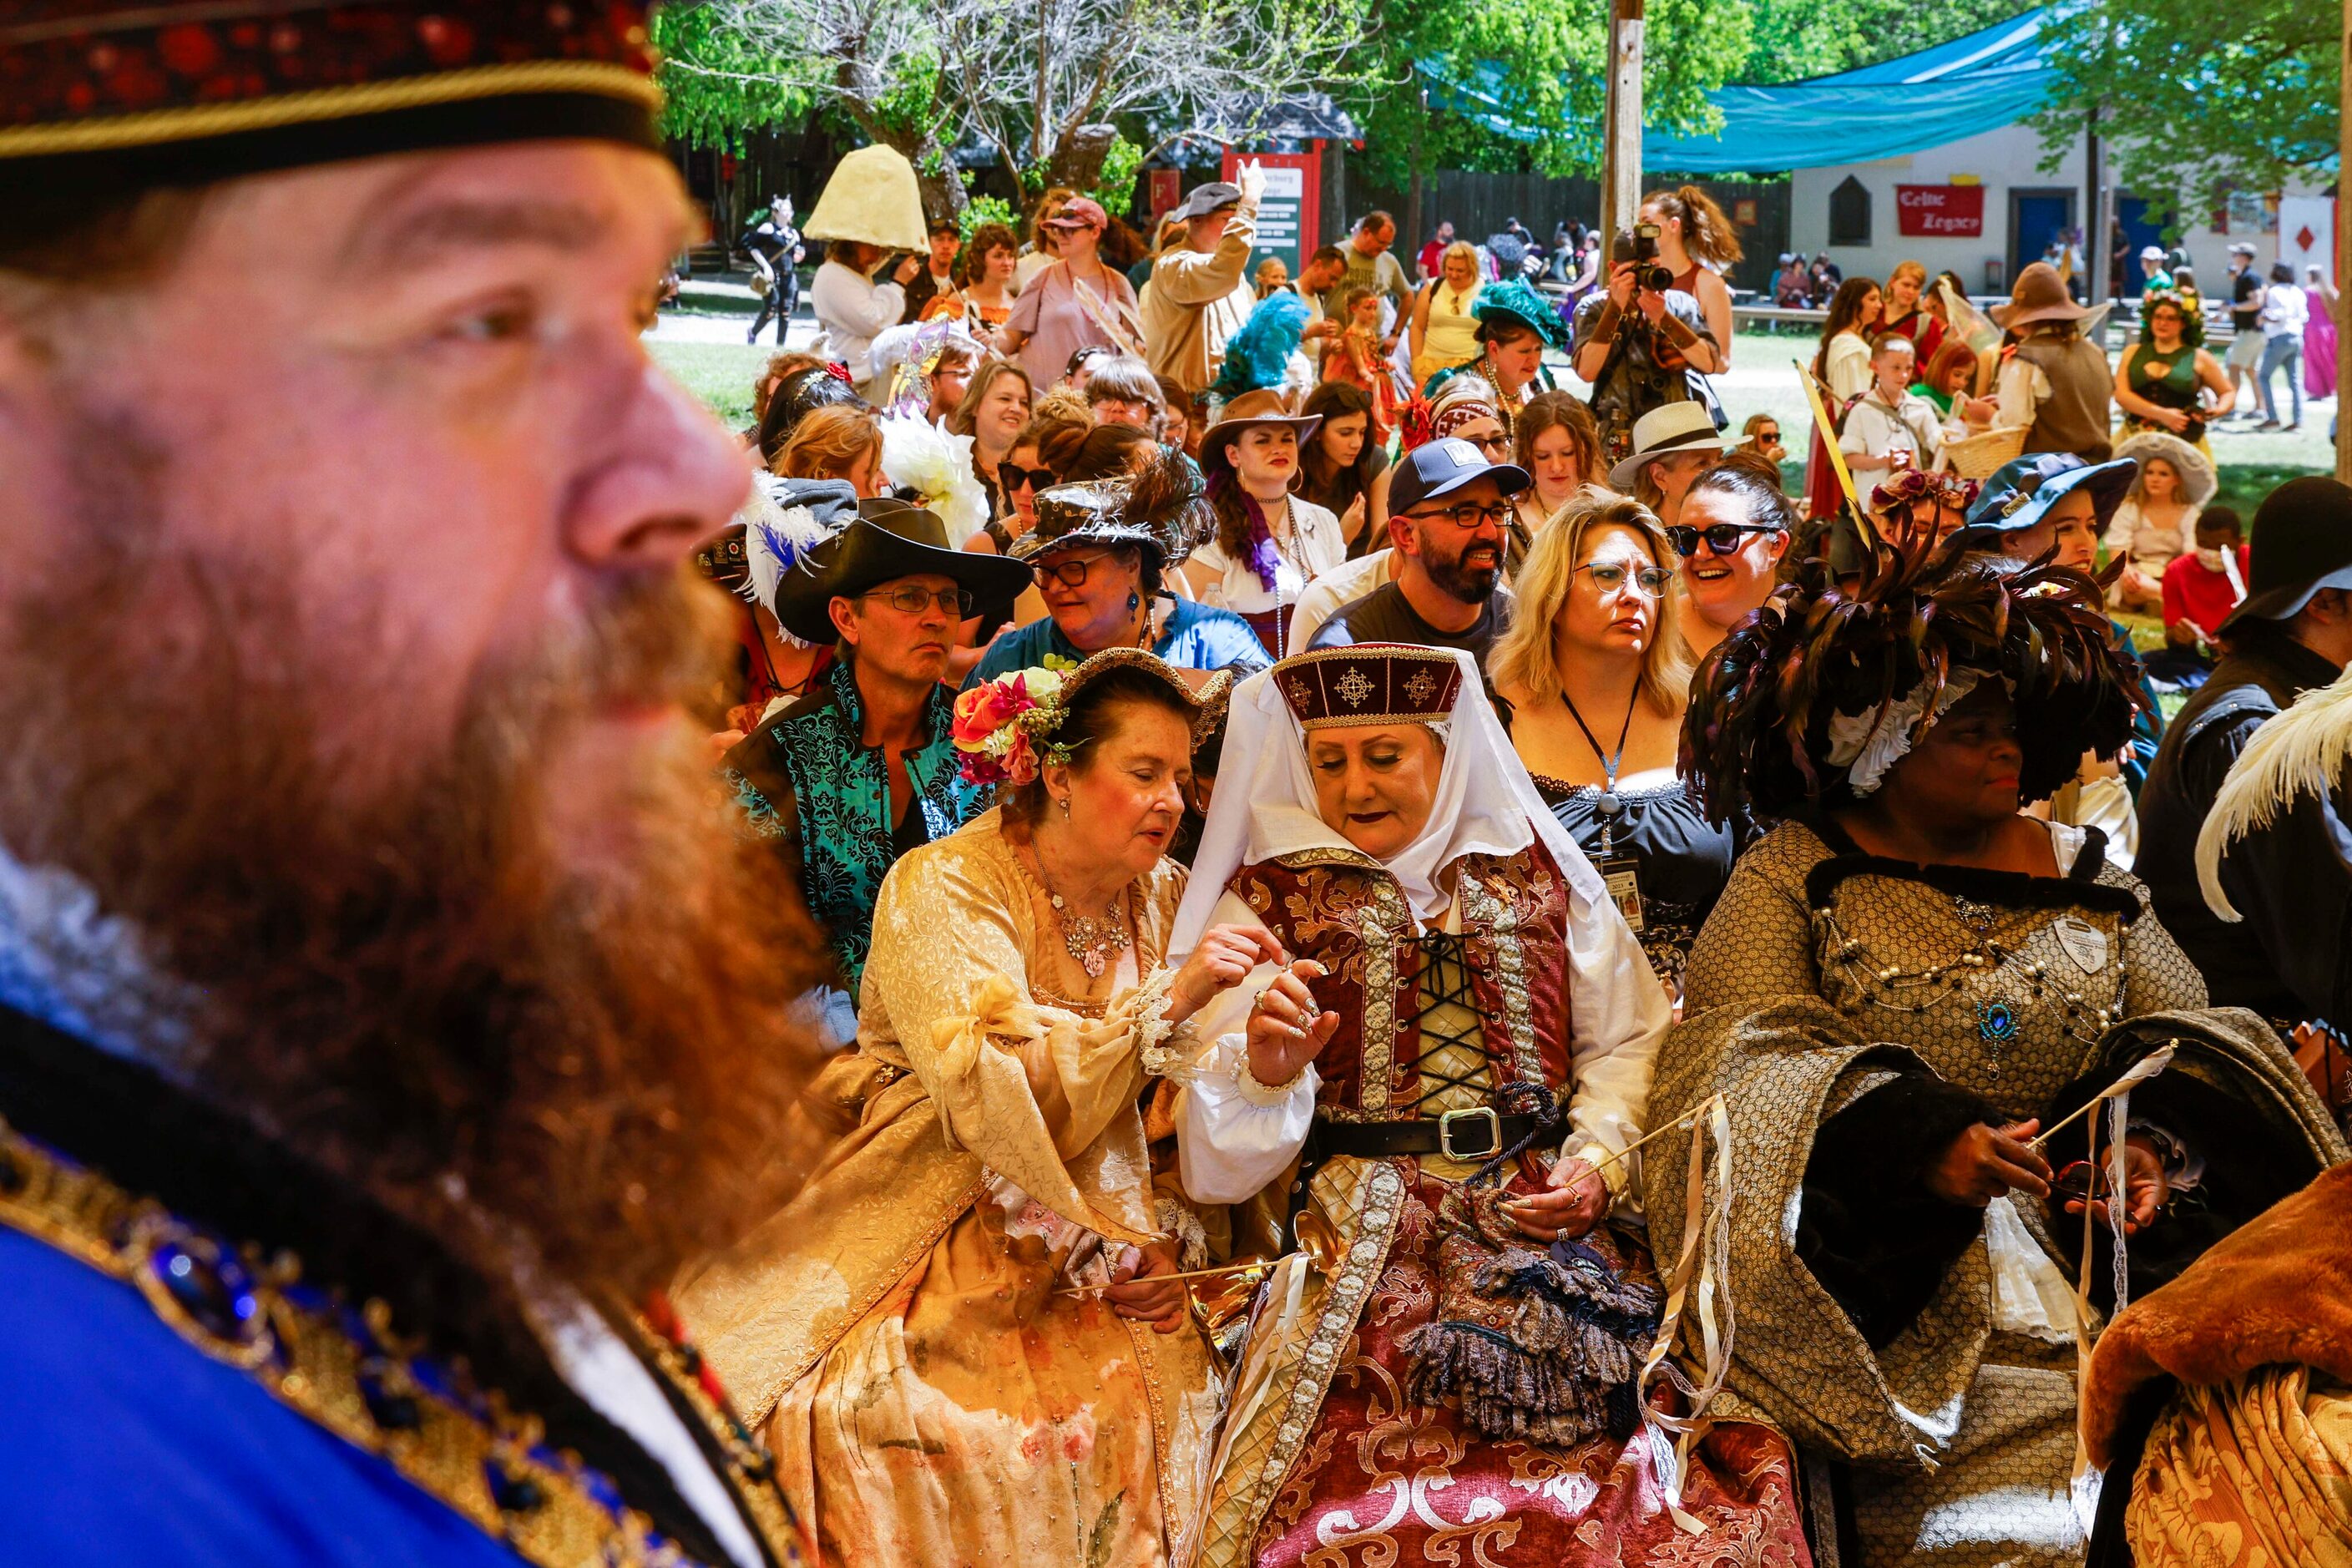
column 913, row 601
column 1766, row 437
column 1469, row 514
column 1723, row 538
column 1069, row 573
column 1609, row 576
column 1015, row 477
column 1490, row 444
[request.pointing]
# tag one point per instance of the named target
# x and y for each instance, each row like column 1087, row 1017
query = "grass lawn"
column 718, row 374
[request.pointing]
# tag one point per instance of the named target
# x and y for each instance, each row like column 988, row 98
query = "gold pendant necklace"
column 1093, row 939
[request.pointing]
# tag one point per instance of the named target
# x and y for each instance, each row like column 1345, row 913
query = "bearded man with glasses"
column 863, row 769
column 1449, row 507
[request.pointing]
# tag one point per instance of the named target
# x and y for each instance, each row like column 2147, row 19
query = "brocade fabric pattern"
column 1960, row 1435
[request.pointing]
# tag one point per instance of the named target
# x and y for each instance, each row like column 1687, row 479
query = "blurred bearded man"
column 386, row 1004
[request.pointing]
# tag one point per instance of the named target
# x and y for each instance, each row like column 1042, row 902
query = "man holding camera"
column 1642, row 343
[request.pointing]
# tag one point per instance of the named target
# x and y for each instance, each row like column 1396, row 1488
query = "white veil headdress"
column 1263, row 806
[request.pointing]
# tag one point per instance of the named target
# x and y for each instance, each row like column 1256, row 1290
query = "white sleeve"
column 2021, row 388
column 1233, row 1137
column 2123, row 529
column 1618, row 1016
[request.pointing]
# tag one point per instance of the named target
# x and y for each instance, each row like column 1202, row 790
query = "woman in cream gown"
column 950, row 1340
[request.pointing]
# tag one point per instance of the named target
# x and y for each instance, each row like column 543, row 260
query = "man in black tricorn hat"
column 386, row 1002
column 863, row 768
column 2291, row 632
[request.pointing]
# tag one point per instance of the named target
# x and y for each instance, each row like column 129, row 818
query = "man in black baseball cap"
column 1448, row 510
column 2292, row 633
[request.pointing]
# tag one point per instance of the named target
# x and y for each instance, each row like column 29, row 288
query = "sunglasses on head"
column 1015, row 477
column 1723, row 538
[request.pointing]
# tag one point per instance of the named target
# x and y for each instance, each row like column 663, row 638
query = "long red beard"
column 432, row 981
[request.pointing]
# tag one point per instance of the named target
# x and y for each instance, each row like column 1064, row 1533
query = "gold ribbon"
column 1706, row 1261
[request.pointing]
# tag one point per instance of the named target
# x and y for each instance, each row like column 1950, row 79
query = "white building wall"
column 2002, row 161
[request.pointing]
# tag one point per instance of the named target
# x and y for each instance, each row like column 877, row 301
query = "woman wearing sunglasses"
column 1735, row 526
column 1098, row 549
column 1593, row 681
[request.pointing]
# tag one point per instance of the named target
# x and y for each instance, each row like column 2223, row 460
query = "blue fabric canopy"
column 1989, row 79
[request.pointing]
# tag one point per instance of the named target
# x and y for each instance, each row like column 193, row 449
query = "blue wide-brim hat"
column 2024, row 488
column 1515, row 299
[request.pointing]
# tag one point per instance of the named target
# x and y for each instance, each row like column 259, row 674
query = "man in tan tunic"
column 1199, row 293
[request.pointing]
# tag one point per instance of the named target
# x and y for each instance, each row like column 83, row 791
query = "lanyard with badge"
column 1621, row 875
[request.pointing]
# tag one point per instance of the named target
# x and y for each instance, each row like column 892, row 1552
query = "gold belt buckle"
column 1494, row 1133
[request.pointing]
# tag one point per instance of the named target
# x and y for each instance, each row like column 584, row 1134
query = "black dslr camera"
column 1648, row 271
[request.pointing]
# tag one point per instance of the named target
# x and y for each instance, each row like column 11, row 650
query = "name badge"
column 2085, row 943
column 1622, row 878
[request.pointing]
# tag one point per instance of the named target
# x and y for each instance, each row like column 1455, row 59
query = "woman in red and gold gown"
column 1430, row 1093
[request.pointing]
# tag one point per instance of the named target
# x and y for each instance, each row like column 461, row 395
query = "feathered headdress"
column 1259, row 356
column 1814, row 697
column 936, row 467
column 786, row 519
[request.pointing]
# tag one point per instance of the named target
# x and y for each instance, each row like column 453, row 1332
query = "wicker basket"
column 1981, row 456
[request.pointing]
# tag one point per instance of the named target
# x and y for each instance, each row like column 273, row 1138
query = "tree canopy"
column 1049, row 85
column 2192, row 100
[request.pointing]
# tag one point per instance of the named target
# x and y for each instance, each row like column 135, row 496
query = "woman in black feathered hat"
column 1899, row 983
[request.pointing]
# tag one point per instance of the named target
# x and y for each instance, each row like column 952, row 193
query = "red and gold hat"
column 1369, row 683
column 103, row 97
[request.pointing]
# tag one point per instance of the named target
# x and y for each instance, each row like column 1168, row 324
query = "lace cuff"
column 1265, row 1096
column 1163, row 1047
column 1191, row 1241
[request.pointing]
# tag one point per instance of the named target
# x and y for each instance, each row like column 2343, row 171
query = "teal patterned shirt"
column 809, row 784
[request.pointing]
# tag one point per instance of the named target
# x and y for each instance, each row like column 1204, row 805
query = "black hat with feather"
column 1162, row 510
column 1810, row 700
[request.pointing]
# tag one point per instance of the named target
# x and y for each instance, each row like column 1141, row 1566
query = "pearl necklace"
column 1893, row 988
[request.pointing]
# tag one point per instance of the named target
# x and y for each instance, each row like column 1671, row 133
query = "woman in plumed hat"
column 1268, row 543
column 1420, row 1098
column 1098, row 549
column 1899, row 983
column 1516, row 324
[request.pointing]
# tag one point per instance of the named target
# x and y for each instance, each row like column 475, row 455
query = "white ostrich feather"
column 919, row 456
column 2301, row 752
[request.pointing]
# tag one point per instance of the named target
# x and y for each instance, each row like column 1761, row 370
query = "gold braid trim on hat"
column 609, row 79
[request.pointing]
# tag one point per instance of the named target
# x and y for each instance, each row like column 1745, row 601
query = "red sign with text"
column 1956, row 211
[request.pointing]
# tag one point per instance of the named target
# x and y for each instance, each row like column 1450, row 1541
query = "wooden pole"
column 2343, row 258
column 1621, row 157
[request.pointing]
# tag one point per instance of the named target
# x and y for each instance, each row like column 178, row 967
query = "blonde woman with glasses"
column 1593, row 681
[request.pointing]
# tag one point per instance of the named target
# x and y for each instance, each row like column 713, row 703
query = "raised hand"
column 1289, row 1027
column 1224, row 958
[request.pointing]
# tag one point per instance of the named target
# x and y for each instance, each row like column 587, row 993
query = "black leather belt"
column 1477, row 1133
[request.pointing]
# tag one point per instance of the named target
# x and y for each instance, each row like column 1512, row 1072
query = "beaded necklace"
column 1917, row 990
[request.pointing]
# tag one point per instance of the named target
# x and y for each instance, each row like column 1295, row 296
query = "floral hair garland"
column 1004, row 730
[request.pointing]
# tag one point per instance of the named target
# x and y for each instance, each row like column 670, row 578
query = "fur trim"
column 2279, row 1289
column 2302, row 751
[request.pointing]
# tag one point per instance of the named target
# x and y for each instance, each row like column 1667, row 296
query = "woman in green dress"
column 2162, row 381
